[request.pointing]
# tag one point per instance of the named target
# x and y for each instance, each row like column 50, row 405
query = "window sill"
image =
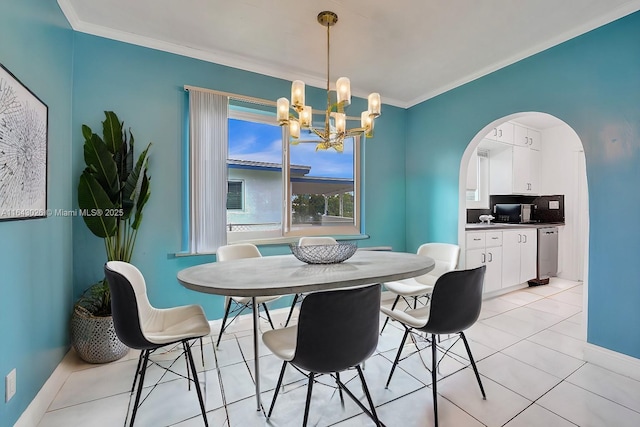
column 272, row 241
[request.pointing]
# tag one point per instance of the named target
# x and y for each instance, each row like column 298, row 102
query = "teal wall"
column 145, row 88
column 591, row 82
column 35, row 255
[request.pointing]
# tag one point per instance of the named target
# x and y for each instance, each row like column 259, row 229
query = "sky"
column 263, row 142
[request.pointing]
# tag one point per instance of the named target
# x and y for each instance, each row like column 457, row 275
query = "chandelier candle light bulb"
column 340, row 121
column 294, row 128
column 343, row 90
column 297, row 94
column 306, row 116
column 334, row 130
column 282, row 105
column 366, row 122
column 374, row 104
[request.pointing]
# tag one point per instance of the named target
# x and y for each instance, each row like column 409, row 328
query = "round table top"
column 284, row 274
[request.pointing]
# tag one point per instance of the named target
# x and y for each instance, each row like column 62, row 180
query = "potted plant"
column 112, row 192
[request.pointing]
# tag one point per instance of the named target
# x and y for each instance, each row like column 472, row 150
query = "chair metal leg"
column 224, row 320
column 395, row 362
column 473, row 363
column 434, row 378
column 277, row 391
column 339, row 388
column 135, row 377
column 293, row 305
column 266, row 311
column 366, row 392
column 186, row 359
column 143, row 370
column 395, row 302
column 306, row 406
column 195, row 380
column 202, row 352
column 360, row 405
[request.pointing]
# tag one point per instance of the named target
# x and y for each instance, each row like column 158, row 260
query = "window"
column 316, row 194
column 323, row 190
column 478, row 173
column 234, row 195
column 247, row 183
column 255, row 158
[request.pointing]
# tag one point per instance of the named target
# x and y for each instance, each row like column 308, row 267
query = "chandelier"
column 334, row 131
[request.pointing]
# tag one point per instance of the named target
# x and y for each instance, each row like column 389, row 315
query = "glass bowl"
column 324, row 254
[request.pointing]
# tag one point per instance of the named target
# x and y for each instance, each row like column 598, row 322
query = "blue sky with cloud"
column 262, row 142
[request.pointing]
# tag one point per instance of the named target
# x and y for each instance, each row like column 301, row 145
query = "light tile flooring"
column 528, row 345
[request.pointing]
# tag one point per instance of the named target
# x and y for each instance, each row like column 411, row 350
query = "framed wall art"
column 23, row 150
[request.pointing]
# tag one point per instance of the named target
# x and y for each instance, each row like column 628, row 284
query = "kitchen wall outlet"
column 554, row 204
column 10, row 385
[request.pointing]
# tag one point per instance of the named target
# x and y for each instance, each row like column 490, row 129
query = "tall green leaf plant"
column 112, row 193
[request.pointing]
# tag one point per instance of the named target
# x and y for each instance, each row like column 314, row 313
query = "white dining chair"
column 240, row 304
column 454, row 307
column 141, row 326
column 446, row 258
column 330, row 337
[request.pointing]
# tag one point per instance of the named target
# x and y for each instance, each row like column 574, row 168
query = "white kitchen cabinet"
column 503, row 133
column 526, row 170
column 485, row 248
column 514, row 170
column 526, row 137
column 519, row 253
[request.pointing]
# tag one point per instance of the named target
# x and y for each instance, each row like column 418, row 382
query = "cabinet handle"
column 530, row 141
column 490, row 257
column 484, row 258
column 526, row 139
column 524, row 237
column 495, row 131
column 500, row 133
column 476, row 239
column 519, row 238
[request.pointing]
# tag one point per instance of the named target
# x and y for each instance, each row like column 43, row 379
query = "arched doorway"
column 562, row 171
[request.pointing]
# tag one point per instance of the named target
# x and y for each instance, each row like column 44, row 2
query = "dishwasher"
column 547, row 255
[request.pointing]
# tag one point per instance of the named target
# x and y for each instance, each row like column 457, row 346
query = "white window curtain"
column 208, row 147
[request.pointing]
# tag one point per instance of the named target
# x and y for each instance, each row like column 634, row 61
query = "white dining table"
column 285, row 274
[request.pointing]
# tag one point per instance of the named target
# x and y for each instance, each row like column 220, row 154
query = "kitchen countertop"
column 504, row 226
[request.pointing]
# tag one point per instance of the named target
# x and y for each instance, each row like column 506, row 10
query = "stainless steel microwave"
column 514, row 213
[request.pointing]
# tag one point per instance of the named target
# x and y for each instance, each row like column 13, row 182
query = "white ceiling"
column 408, row 50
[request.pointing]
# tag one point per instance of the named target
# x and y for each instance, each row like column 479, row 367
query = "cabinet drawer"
column 476, row 240
column 493, row 239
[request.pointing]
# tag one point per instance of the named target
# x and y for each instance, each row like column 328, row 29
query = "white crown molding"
column 622, row 11
column 244, row 63
column 613, row 361
column 221, row 58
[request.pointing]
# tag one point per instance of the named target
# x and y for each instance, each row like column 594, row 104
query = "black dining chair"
column 454, row 307
column 308, row 241
column 140, row 326
column 330, row 337
column 445, row 256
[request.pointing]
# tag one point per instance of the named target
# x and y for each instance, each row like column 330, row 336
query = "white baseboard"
column 39, row 405
column 613, row 361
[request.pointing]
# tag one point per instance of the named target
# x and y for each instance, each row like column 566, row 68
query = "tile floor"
column 528, row 346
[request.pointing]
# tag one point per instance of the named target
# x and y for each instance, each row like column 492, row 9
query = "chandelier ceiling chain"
column 334, row 131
